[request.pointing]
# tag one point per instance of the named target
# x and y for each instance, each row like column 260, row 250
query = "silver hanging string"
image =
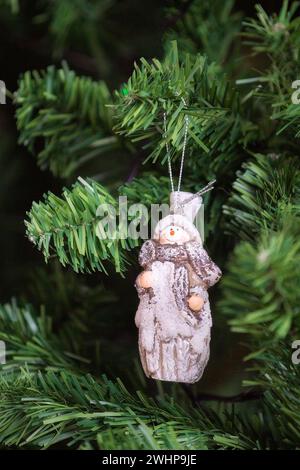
column 168, row 154
column 186, row 119
column 202, row 191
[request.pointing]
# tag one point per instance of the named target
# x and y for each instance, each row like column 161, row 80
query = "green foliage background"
column 82, row 125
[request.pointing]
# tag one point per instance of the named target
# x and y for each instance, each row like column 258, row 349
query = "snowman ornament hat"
column 184, row 208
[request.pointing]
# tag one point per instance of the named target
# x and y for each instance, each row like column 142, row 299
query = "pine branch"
column 147, row 189
column 68, row 227
column 77, row 338
column 30, row 339
column 278, row 37
column 68, row 115
column 212, row 106
column 60, row 406
column 74, row 296
column 59, row 403
column 273, row 34
column 65, row 18
column 56, row 406
column 14, row 5
column 210, row 28
column 262, row 193
column 83, row 314
column 261, row 288
column 279, row 377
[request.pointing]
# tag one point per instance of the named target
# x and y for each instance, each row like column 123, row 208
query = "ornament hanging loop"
column 186, row 120
column 178, row 207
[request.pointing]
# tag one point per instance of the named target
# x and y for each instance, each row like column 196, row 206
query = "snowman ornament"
column 173, row 316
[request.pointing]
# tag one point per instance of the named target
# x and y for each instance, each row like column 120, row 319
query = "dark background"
column 128, row 30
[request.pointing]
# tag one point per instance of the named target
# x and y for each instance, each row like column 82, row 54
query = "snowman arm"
column 202, row 264
column 147, row 253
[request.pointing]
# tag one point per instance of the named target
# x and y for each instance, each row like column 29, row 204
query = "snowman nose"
column 172, row 231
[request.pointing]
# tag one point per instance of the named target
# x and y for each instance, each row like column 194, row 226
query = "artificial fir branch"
column 147, row 189
column 66, row 405
column 67, row 226
column 61, row 406
column 260, row 291
column 278, row 37
column 14, row 5
column 262, row 193
column 30, row 339
column 69, row 114
column 276, row 374
column 209, row 27
column 79, row 410
column 212, row 104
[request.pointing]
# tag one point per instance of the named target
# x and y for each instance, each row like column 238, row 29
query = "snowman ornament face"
column 173, row 234
column 173, row 316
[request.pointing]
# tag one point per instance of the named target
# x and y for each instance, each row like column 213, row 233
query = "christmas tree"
column 90, row 128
